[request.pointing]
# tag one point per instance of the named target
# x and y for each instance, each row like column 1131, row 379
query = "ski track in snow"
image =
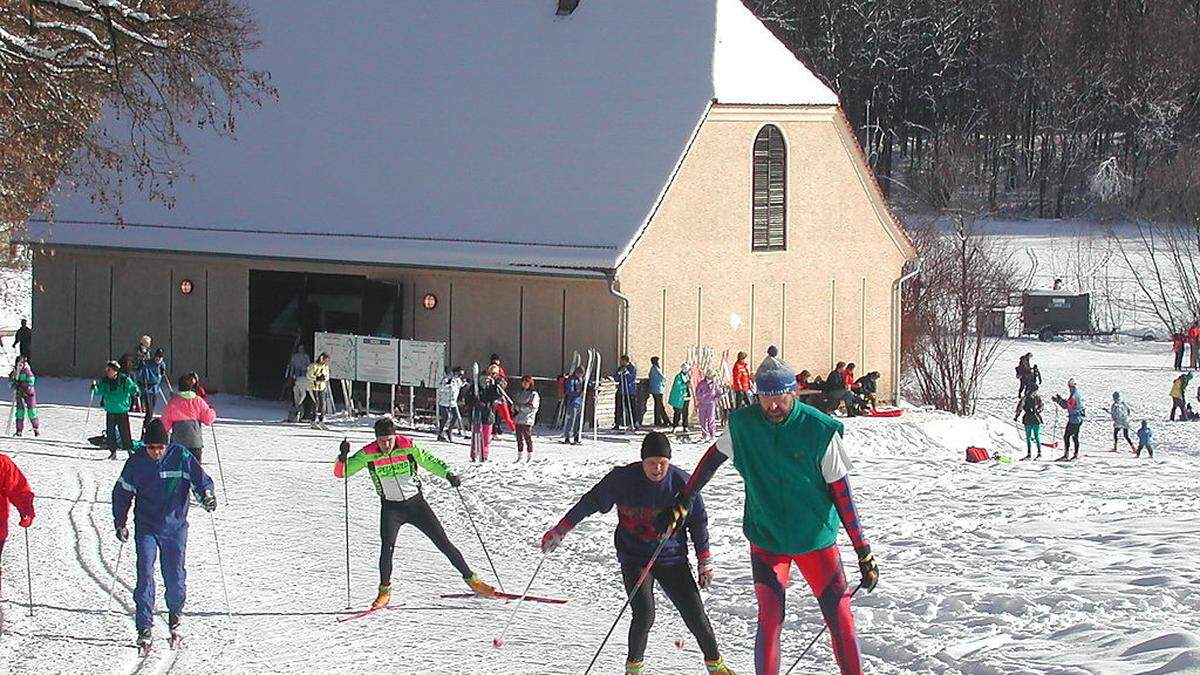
column 1083, row 567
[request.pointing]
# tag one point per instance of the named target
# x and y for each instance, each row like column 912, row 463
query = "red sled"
column 890, row 412
column 976, row 455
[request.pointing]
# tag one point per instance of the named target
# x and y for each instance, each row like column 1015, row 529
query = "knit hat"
column 113, row 365
column 384, row 427
column 155, row 433
column 656, row 444
column 158, row 353
column 774, row 377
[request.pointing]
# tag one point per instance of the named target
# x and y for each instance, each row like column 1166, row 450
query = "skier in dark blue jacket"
column 639, row 491
column 156, row 482
column 627, row 387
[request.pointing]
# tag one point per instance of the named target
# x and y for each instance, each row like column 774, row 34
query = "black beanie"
column 384, row 426
column 155, row 433
column 656, row 444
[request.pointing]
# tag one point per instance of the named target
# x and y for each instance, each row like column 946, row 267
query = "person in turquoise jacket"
column 117, row 393
column 681, row 393
column 657, row 384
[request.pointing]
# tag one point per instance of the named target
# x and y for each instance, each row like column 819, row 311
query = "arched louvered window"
column 769, row 229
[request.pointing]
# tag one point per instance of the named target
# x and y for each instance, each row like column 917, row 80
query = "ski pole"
column 346, row 502
column 112, row 586
column 815, row 638
column 641, row 580
column 220, row 469
column 88, row 416
column 499, row 642
column 220, row 567
column 29, row 571
column 487, row 555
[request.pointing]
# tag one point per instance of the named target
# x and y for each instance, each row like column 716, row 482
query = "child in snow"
column 22, row 382
column 743, row 384
column 482, row 407
column 573, row 397
column 680, row 395
column 1145, row 436
column 639, row 490
column 526, row 402
column 447, row 403
column 708, row 395
column 1120, row 417
column 184, row 416
column 1076, row 413
column 1030, row 412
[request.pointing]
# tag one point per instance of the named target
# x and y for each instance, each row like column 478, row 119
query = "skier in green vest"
column 794, row 468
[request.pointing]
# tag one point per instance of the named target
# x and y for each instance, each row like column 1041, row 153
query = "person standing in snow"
column 657, row 384
column 1178, row 395
column 795, row 474
column 1177, row 343
column 626, row 377
column 1145, row 438
column 481, row 405
column 639, row 490
column 21, row 380
column 742, row 383
column 1023, row 370
column 392, row 461
column 117, row 393
column 574, row 389
column 1193, row 339
column 156, row 482
column 23, row 340
column 1030, row 412
column 296, row 369
column 1076, row 413
column 708, row 396
column 318, row 380
column 503, row 411
column 15, row 489
column 447, row 403
column 149, row 378
column 681, row 394
column 1120, row 416
column 184, row 416
column 526, row 402
column 299, row 385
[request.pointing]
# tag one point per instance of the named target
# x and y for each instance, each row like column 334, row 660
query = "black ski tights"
column 680, row 587
column 1071, row 432
column 416, row 511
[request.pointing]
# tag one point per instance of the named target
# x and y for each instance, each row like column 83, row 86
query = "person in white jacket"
column 447, row 403
column 1120, row 417
column 526, row 402
column 318, row 381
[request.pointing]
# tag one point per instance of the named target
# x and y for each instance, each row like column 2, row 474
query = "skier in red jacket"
column 742, row 384
column 13, row 488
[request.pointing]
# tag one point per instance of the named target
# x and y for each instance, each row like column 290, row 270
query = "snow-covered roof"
column 458, row 133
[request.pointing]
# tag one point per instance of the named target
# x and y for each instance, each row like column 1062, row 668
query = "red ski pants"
column 822, row 569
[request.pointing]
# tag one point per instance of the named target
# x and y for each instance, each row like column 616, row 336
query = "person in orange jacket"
column 742, row 383
column 13, row 488
column 1193, row 338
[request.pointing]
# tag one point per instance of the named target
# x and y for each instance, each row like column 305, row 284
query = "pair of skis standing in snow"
column 795, row 470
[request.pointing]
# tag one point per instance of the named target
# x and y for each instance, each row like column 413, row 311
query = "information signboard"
column 377, row 359
column 341, row 350
column 422, row 364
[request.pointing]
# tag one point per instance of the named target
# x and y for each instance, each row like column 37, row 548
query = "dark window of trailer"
column 769, row 218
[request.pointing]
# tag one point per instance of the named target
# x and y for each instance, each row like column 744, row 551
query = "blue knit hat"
column 774, row 377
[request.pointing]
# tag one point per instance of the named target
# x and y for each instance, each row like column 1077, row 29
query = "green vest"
column 789, row 509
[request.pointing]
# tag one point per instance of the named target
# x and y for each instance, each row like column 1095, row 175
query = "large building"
column 531, row 178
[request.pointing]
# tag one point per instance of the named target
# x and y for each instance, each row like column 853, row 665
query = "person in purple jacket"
column 639, row 491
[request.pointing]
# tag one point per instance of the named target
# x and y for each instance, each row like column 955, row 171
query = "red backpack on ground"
column 975, row 455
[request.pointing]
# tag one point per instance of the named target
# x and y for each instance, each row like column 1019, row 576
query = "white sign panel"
column 378, row 360
column 341, row 354
column 422, row 364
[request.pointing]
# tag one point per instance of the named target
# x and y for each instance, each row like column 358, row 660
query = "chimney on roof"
column 565, row 7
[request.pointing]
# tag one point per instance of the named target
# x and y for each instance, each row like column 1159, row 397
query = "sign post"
column 378, row 361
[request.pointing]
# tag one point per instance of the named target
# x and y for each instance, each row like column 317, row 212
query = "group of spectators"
column 841, row 387
column 1187, row 340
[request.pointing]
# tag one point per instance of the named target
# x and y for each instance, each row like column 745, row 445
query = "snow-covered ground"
column 1086, row 567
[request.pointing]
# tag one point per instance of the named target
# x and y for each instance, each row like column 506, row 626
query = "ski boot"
column 718, row 667
column 519, row 455
column 143, row 641
column 383, row 598
column 37, row 433
column 480, row 587
column 174, row 621
column 635, row 667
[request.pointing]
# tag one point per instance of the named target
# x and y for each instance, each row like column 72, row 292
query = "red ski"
column 506, row 596
column 366, row 612
column 890, row 412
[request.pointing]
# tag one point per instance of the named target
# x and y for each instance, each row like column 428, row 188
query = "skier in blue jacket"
column 639, row 491
column 149, row 377
column 574, row 390
column 626, row 376
column 156, row 482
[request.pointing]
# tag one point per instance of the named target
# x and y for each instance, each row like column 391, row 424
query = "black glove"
column 671, row 516
column 868, row 568
column 93, row 387
column 453, row 479
column 122, row 533
column 209, row 501
column 343, row 450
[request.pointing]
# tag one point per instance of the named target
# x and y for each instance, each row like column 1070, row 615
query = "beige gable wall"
column 828, row 297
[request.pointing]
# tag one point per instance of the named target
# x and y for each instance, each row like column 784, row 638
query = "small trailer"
column 1047, row 314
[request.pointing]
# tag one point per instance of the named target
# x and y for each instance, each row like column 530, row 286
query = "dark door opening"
column 286, row 308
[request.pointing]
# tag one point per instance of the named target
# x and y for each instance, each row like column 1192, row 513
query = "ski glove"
column 671, row 516
column 26, row 521
column 554, row 537
column 453, row 479
column 705, row 573
column 868, row 568
column 122, row 534
column 93, row 387
column 343, row 450
column 209, row 502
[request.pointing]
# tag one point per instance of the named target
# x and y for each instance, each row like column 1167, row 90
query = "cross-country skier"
column 22, row 382
column 481, row 406
column 184, row 416
column 13, row 488
column 626, row 377
column 447, row 403
column 392, row 461
column 639, row 490
column 681, row 393
column 1145, row 436
column 657, row 384
column 117, row 393
column 1076, row 412
column 156, row 482
column 795, row 470
column 742, row 382
column 23, row 339
column 1030, row 411
column 1120, row 417
column 149, row 378
column 573, row 393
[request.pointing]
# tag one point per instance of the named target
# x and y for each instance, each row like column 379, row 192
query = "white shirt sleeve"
column 725, row 444
column 836, row 463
